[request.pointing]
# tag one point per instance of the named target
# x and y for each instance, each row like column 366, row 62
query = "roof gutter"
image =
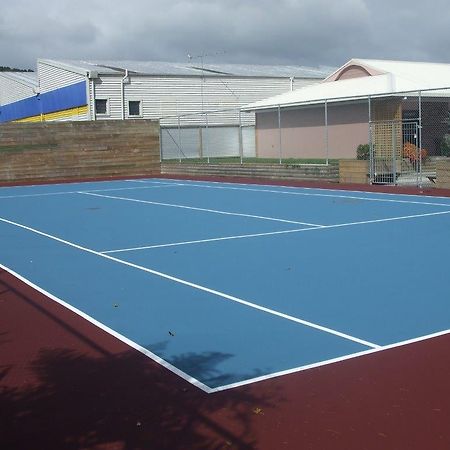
column 274, row 106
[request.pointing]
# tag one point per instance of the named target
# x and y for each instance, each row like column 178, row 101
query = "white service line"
column 199, row 287
column 215, row 211
column 309, row 194
column 199, row 241
column 298, row 230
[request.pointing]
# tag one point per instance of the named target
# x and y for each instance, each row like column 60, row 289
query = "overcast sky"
column 292, row 32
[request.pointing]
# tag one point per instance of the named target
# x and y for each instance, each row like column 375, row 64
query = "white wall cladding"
column 216, row 133
column 180, row 102
column 170, row 96
column 51, row 77
column 12, row 90
column 109, row 87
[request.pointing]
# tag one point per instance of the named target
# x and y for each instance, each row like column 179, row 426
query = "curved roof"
column 377, row 77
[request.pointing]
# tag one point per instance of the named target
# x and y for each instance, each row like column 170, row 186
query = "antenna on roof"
column 201, row 57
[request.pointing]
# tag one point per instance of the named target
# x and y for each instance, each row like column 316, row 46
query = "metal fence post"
column 279, row 131
column 241, row 147
column 160, row 145
column 371, row 153
column 394, row 152
column 207, row 137
column 179, row 137
column 326, row 130
column 419, row 172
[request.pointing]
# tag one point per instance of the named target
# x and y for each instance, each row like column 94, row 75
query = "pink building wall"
column 303, row 133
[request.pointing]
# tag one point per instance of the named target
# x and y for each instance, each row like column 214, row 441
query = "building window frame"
column 140, row 103
column 107, row 111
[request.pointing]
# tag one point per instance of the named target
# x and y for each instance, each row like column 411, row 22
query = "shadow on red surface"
column 66, row 385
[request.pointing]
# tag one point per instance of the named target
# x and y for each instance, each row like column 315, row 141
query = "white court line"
column 147, row 180
column 199, row 287
column 329, row 361
column 45, row 194
column 117, row 335
column 193, row 380
column 225, row 238
column 215, row 211
column 150, row 184
column 308, row 194
column 298, row 230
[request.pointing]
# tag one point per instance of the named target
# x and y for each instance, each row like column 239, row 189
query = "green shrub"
column 363, row 151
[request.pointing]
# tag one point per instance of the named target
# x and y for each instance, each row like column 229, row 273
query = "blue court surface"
column 227, row 284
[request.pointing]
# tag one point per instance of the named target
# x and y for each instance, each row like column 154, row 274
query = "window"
column 101, row 106
column 134, row 108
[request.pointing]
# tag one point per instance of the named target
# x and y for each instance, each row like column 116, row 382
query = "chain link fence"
column 207, row 136
column 409, row 133
column 402, row 134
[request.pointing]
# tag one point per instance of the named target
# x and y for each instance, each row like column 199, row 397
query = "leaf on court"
column 258, row 411
column 115, row 305
column 172, row 334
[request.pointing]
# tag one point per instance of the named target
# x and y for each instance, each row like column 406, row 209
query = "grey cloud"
column 309, row 32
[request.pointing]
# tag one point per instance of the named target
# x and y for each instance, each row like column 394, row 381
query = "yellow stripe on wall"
column 67, row 113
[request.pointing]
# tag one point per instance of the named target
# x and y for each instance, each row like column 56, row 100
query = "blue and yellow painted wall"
column 61, row 103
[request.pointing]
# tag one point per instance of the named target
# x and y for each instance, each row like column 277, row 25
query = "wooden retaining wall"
column 353, row 171
column 78, row 150
column 254, row 170
column 443, row 174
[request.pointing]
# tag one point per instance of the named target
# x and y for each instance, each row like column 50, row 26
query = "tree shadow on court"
column 202, row 366
column 122, row 402
column 89, row 392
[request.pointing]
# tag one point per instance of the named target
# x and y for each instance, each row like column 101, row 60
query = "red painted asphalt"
column 66, row 385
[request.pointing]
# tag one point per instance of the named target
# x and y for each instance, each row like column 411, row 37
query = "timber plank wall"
column 78, row 150
column 443, row 174
column 328, row 173
column 353, row 171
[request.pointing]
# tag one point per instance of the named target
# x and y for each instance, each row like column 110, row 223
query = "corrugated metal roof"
column 394, row 77
column 27, row 78
column 162, row 68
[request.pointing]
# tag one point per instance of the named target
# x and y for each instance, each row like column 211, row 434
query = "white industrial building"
column 182, row 96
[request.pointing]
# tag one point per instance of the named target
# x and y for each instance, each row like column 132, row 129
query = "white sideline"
column 175, row 183
column 228, row 183
column 215, row 211
column 117, row 335
column 309, row 194
column 197, row 286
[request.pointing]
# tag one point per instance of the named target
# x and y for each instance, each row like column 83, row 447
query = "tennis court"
column 232, row 284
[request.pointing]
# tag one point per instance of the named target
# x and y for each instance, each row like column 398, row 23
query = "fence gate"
column 395, row 156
